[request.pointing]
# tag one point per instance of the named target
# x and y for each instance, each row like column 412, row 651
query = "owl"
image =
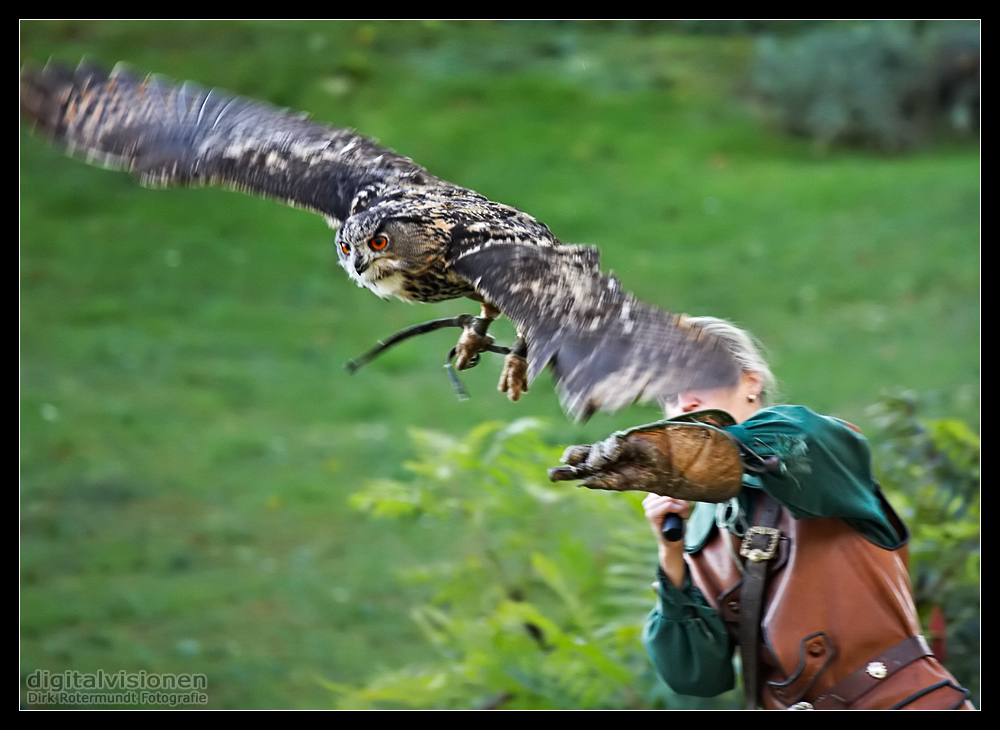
column 400, row 231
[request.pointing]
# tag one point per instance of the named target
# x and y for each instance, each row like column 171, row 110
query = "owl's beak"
column 361, row 266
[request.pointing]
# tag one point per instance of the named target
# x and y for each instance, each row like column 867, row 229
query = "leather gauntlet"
column 696, row 461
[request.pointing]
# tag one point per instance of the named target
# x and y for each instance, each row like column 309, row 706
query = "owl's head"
column 381, row 251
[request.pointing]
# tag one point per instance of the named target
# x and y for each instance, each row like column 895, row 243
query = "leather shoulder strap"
column 759, row 546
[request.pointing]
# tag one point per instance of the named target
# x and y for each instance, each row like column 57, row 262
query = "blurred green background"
column 189, row 439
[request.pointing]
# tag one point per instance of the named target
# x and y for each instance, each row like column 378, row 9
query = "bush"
column 930, row 473
column 884, row 85
column 543, row 603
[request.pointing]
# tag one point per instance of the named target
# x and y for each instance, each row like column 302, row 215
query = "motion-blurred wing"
column 182, row 134
column 606, row 348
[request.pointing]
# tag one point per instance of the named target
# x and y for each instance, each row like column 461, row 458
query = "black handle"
column 673, row 528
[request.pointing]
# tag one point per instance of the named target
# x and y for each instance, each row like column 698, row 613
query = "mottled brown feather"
column 182, row 134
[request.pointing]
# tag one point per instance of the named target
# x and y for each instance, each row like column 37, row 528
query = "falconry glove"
column 689, row 458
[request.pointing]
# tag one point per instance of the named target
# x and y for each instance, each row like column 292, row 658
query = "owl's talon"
column 514, row 377
column 470, row 345
column 474, row 339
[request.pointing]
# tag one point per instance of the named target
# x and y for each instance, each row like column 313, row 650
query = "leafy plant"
column 930, row 472
column 543, row 601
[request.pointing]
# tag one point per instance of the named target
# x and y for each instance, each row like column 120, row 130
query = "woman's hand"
column 657, row 508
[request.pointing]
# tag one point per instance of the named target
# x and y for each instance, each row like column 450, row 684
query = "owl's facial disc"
column 370, row 262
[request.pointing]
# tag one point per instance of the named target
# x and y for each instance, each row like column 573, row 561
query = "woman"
column 796, row 555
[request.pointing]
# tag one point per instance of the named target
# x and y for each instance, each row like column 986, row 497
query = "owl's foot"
column 464, row 320
column 473, row 341
column 514, row 376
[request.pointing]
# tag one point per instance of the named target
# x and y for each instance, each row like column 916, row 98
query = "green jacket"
column 825, row 471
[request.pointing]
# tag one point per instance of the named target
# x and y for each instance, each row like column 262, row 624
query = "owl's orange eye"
column 378, row 243
column 346, row 248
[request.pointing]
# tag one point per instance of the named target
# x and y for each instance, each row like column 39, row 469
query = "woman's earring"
column 751, row 398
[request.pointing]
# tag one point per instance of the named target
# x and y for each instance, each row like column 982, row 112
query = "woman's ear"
column 752, row 384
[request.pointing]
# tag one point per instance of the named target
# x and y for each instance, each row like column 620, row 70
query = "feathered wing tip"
column 658, row 360
column 99, row 115
column 607, row 350
column 44, row 95
column 168, row 133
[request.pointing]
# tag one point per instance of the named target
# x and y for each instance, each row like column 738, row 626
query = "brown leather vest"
column 834, row 603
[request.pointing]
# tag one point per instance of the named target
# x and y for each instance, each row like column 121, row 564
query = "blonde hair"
column 745, row 348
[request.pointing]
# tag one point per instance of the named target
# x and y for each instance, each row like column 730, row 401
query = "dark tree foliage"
column 885, row 85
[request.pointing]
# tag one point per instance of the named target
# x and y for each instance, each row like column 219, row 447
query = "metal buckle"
column 757, row 554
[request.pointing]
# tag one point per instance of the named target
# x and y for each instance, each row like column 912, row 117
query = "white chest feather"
column 387, row 286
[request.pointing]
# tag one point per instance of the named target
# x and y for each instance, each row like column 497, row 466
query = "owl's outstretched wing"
column 182, row 134
column 607, row 349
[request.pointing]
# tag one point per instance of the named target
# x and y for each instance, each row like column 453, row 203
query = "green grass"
column 188, row 435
